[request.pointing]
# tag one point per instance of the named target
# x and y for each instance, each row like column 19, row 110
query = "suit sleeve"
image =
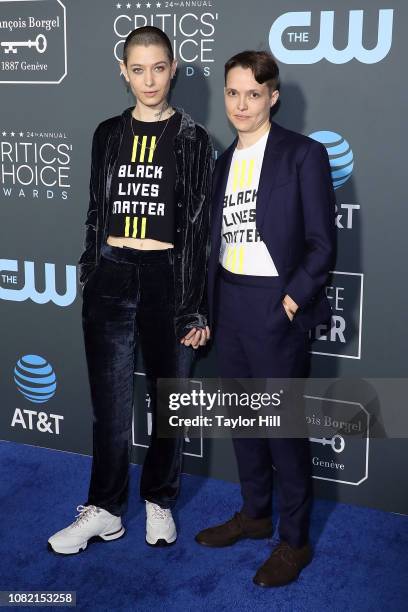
column 87, row 261
column 318, row 206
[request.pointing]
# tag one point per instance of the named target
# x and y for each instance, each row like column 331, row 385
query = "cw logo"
column 325, row 48
column 29, row 291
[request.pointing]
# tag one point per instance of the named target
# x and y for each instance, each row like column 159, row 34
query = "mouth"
column 150, row 94
column 241, row 117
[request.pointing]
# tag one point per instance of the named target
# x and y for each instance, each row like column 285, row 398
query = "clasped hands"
column 196, row 337
column 199, row 336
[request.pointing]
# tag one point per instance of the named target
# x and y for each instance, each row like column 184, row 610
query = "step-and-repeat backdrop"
column 342, row 84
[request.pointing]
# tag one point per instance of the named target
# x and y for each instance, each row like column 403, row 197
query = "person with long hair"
column 142, row 273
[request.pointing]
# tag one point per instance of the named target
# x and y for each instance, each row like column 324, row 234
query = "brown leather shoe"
column 237, row 528
column 283, row 566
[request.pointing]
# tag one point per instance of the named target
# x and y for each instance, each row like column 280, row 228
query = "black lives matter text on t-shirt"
column 143, row 194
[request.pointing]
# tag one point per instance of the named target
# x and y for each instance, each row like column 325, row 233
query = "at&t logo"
column 341, row 164
column 36, row 381
column 280, row 36
column 340, row 155
column 35, row 378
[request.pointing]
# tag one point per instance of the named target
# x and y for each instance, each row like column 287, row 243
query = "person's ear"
column 173, row 69
column 124, row 71
column 274, row 97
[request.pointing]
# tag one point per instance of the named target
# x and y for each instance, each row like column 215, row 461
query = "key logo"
column 286, row 35
column 40, row 44
column 33, row 47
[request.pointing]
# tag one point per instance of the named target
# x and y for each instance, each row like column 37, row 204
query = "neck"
column 151, row 113
column 247, row 139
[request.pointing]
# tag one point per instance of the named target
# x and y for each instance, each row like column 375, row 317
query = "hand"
column 196, row 337
column 290, row 306
column 288, row 312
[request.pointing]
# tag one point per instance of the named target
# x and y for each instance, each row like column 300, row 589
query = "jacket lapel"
column 221, row 178
column 269, row 171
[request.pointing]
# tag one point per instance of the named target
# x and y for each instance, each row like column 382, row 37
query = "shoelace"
column 158, row 512
column 85, row 513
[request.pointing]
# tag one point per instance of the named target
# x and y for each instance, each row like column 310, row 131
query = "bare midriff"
column 145, row 244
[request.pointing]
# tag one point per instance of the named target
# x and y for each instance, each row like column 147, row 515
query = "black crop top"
column 142, row 195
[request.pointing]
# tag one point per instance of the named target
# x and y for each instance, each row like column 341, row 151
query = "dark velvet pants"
column 128, row 302
column 254, row 338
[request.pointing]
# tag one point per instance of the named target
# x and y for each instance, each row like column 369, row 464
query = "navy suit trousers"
column 254, row 338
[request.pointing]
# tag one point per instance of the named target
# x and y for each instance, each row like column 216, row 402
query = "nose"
column 242, row 103
column 149, row 81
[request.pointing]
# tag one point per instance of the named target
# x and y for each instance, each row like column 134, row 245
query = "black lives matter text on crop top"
column 143, row 196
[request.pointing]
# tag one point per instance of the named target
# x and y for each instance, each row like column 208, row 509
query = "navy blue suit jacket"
column 295, row 217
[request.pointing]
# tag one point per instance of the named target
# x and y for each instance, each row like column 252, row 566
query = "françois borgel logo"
column 37, row 282
column 35, row 379
column 190, row 25
column 291, row 43
column 33, row 47
column 340, row 439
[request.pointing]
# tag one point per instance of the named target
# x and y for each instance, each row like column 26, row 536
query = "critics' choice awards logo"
column 341, row 164
column 36, row 282
column 341, row 337
column 35, row 379
column 35, row 164
column 190, row 25
column 291, row 43
column 33, row 46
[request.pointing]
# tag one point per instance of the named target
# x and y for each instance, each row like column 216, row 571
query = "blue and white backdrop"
column 342, row 84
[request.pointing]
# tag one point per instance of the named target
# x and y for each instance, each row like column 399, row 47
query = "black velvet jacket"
column 194, row 164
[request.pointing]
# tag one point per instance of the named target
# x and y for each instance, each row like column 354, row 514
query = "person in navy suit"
column 273, row 245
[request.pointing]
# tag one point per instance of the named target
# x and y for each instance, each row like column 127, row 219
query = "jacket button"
column 179, row 204
column 178, row 230
column 179, row 256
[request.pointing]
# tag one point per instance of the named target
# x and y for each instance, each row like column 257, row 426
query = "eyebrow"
column 142, row 65
column 248, row 91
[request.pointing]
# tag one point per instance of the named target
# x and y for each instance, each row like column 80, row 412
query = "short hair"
column 263, row 66
column 145, row 36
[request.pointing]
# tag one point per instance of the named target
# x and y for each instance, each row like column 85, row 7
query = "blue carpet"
column 360, row 563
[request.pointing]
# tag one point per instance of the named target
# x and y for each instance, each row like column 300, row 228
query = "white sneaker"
column 91, row 523
column 160, row 526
